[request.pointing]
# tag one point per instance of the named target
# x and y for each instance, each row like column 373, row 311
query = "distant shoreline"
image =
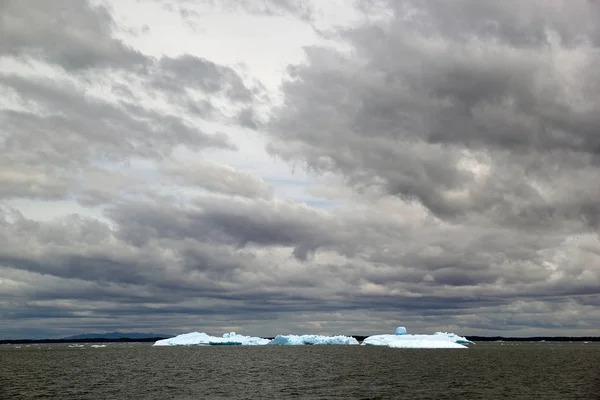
column 92, row 340
column 359, row 338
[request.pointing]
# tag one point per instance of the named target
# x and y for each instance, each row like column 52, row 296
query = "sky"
column 299, row 166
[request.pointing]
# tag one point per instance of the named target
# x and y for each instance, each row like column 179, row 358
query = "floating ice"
column 202, row 339
column 98, row 346
column 402, row 340
column 399, row 339
column 426, row 344
column 454, row 337
column 295, row 340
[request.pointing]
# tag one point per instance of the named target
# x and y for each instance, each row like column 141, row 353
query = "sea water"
column 139, row 371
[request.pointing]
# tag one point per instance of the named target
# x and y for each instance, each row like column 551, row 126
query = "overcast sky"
column 288, row 166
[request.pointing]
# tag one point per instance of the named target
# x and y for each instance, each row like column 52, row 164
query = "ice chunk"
column 454, row 337
column 425, row 344
column 400, row 330
column 295, row 340
column 232, row 338
column 411, row 341
column 202, row 339
column 404, row 340
column 399, row 339
column 186, row 339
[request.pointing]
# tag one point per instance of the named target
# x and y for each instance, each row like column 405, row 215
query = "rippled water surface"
column 138, row 371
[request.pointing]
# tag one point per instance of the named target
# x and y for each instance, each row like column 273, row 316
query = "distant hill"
column 116, row 335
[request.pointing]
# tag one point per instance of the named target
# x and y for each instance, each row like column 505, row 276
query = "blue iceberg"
column 455, row 337
column 400, row 330
column 298, row 340
column 234, row 339
column 202, row 339
column 403, row 340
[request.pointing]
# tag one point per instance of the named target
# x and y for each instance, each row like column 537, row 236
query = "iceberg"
column 233, row 339
column 298, row 340
column 400, row 330
column 455, row 337
column 426, row 344
column 403, row 340
column 202, row 339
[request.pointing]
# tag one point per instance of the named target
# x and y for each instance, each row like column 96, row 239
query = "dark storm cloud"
column 217, row 251
column 479, row 112
column 461, row 107
column 512, row 22
column 85, row 269
column 231, row 222
column 198, row 251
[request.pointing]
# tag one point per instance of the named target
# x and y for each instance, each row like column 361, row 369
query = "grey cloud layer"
column 57, row 129
column 297, row 8
column 270, row 257
column 217, row 178
column 477, row 107
column 482, row 112
column 465, row 130
column 70, row 33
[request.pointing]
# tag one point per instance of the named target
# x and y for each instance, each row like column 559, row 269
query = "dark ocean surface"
column 139, row 371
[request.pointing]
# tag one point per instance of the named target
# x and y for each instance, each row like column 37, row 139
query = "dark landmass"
column 92, row 340
column 116, row 335
column 112, row 337
column 96, row 339
column 521, row 339
column 534, row 339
